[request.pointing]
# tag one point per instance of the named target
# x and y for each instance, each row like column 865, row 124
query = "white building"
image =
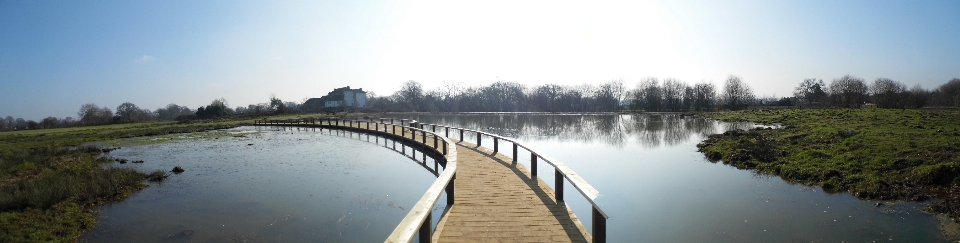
column 345, row 97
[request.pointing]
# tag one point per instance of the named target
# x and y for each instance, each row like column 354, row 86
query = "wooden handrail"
column 599, row 217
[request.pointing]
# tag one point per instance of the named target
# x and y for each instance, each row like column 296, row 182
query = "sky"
column 57, row 55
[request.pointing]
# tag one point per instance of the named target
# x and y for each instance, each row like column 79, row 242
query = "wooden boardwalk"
column 497, row 201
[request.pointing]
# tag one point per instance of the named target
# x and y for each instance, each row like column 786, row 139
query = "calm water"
column 656, row 187
column 266, row 185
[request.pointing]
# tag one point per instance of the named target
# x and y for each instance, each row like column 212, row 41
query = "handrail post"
column 435, row 141
column 461, row 134
column 423, row 137
column 444, row 147
column 599, row 227
column 495, row 146
column 558, row 178
column 450, row 190
column 478, row 138
column 447, row 134
column 514, row 151
column 533, row 166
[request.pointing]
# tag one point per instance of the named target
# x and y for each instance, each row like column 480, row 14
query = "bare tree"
column 128, row 113
column 947, row 94
column 736, row 94
column 90, row 114
column 704, row 96
column 50, row 122
column 411, row 95
column 916, row 97
column 648, row 96
column 673, row 94
column 810, row 90
column 848, row 91
column 888, row 93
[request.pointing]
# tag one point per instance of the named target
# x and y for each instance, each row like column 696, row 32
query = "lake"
column 260, row 184
column 656, row 187
column 334, row 186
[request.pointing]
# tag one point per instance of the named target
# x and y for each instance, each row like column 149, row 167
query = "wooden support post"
column 450, row 192
column 447, row 134
column 495, row 146
column 444, row 147
column 599, row 227
column 533, row 166
column 434, row 141
column 478, row 138
column 426, row 233
column 514, row 151
column 461, row 135
column 423, row 137
column 558, row 179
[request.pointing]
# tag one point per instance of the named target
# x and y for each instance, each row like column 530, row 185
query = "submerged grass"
column 51, row 184
column 872, row 153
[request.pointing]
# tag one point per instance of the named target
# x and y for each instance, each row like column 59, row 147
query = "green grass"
column 51, row 182
column 871, row 153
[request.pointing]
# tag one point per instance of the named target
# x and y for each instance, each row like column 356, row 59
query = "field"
column 51, row 181
column 885, row 154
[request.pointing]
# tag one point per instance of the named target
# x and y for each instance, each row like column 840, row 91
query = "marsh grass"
column 871, row 153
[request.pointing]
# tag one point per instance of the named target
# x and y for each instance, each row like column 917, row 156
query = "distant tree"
column 704, row 96
column 736, row 94
column 217, row 108
column 20, row 124
column 11, row 123
column 609, row 95
column 503, row 96
column 129, row 113
column 548, row 98
column 50, row 122
column 948, row 94
column 672, row 91
column 90, row 114
column 411, row 95
column 810, row 90
column 277, row 104
column 171, row 112
column 32, row 125
column 68, row 122
column 888, row 93
column 916, row 97
column 648, row 96
column 848, row 91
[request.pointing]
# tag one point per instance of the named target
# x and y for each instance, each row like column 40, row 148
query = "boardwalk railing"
column 419, row 219
column 561, row 170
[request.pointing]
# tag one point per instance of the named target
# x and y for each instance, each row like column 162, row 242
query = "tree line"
column 647, row 95
column 91, row 115
column 656, row 95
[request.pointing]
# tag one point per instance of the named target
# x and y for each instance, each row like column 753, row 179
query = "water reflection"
column 269, row 184
column 656, row 187
column 649, row 130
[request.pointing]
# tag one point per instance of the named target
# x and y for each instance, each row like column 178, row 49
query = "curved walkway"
column 497, row 201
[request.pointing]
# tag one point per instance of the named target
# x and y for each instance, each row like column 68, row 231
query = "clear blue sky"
column 58, row 55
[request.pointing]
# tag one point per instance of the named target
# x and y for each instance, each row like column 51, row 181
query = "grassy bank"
column 50, row 185
column 871, row 153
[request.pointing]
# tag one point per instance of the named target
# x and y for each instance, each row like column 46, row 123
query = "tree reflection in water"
column 649, row 130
